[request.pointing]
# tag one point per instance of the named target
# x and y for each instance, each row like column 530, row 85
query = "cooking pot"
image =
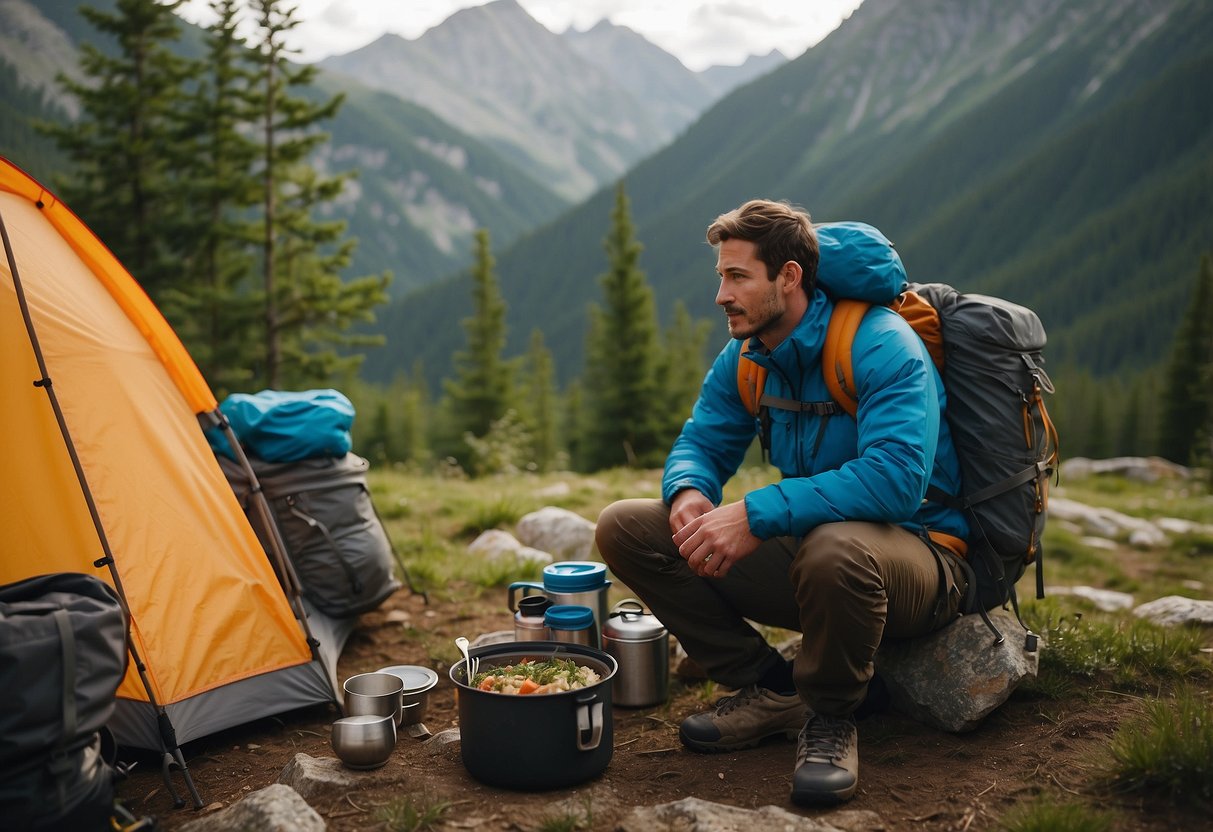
column 538, row 741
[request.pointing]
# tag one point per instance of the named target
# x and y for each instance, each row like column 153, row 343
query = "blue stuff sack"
column 279, row 426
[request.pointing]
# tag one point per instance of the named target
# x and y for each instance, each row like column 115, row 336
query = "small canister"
column 641, row 645
column 528, row 620
column 571, row 624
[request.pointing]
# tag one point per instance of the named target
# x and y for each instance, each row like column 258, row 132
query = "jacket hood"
column 857, row 261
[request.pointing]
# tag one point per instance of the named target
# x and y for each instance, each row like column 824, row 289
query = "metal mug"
column 374, row 694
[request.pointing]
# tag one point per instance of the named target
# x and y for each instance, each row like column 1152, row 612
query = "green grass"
column 1124, row 651
column 412, row 813
column 1168, row 749
column 1045, row 814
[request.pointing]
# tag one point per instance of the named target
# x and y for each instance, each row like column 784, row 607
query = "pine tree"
column 682, row 367
column 539, row 408
column 623, row 401
column 479, row 394
column 1187, row 402
column 123, row 146
column 216, row 311
column 306, row 305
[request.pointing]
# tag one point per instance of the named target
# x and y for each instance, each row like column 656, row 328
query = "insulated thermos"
column 528, row 620
column 571, row 624
column 572, row 582
column 641, row 645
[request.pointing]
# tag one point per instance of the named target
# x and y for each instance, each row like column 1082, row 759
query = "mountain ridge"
column 959, row 181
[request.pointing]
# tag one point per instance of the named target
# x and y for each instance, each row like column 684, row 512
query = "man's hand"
column 686, row 506
column 711, row 543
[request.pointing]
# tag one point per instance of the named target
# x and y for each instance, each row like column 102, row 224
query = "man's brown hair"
column 779, row 231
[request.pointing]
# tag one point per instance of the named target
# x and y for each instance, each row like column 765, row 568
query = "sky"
column 700, row 33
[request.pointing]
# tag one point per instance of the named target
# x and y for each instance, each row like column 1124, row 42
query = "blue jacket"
column 875, row 467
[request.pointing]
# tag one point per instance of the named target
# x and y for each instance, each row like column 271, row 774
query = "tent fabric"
column 206, row 608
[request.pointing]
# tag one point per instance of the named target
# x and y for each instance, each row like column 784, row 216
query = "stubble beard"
column 763, row 318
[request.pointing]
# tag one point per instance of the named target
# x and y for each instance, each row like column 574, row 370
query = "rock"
column 1104, row 599
column 953, row 678
column 495, row 544
column 1147, row 537
column 445, row 743
column 694, row 815
column 275, row 808
column 1098, row 543
column 556, row 489
column 1107, row 523
column 1141, row 469
column 563, row 533
column 495, row 637
column 311, row 776
column 1176, row 609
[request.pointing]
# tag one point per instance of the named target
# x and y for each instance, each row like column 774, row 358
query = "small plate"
column 416, row 678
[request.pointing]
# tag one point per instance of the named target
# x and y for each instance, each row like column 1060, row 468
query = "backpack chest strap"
column 818, row 408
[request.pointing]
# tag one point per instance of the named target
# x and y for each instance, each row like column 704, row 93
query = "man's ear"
column 792, row 276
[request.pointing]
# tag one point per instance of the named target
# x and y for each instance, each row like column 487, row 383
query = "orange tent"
column 109, row 474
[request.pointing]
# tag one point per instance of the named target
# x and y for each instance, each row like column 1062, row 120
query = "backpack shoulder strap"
column 750, row 380
column 922, row 317
column 836, row 354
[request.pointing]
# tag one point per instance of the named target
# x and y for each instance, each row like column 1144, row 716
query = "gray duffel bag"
column 333, row 536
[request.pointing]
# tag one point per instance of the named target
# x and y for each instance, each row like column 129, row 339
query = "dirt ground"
column 912, row 776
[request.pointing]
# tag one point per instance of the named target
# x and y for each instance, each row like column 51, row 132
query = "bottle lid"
column 568, row 617
column 574, row 576
column 629, row 622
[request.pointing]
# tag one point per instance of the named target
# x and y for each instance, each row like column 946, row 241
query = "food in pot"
column 529, row 676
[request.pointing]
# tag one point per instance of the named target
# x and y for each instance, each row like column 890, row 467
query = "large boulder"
column 1176, row 609
column 561, row 532
column 495, row 544
column 953, row 678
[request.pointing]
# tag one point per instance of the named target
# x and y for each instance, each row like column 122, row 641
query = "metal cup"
column 364, row 741
column 374, row 694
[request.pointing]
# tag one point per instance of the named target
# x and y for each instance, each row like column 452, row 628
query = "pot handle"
column 525, row 586
column 589, row 718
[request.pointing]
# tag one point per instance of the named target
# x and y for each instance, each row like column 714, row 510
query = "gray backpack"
column 1007, row 445
column 62, row 656
column 333, row 536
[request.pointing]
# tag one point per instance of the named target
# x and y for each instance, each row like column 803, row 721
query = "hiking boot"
column 827, row 761
column 743, row 720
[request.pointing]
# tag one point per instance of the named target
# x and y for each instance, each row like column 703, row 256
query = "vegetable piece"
column 528, row 686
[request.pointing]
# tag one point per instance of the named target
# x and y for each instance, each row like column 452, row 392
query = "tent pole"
column 107, row 560
column 278, row 554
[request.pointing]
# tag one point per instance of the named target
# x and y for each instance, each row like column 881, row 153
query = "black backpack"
column 63, row 653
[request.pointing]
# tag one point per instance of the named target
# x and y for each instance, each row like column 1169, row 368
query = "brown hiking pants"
column 844, row 587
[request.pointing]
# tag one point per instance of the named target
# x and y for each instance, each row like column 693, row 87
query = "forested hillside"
column 423, row 186
column 1056, row 154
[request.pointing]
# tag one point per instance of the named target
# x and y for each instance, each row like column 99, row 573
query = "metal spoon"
column 470, row 665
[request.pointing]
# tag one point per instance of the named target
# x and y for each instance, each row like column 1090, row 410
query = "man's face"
column 753, row 303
